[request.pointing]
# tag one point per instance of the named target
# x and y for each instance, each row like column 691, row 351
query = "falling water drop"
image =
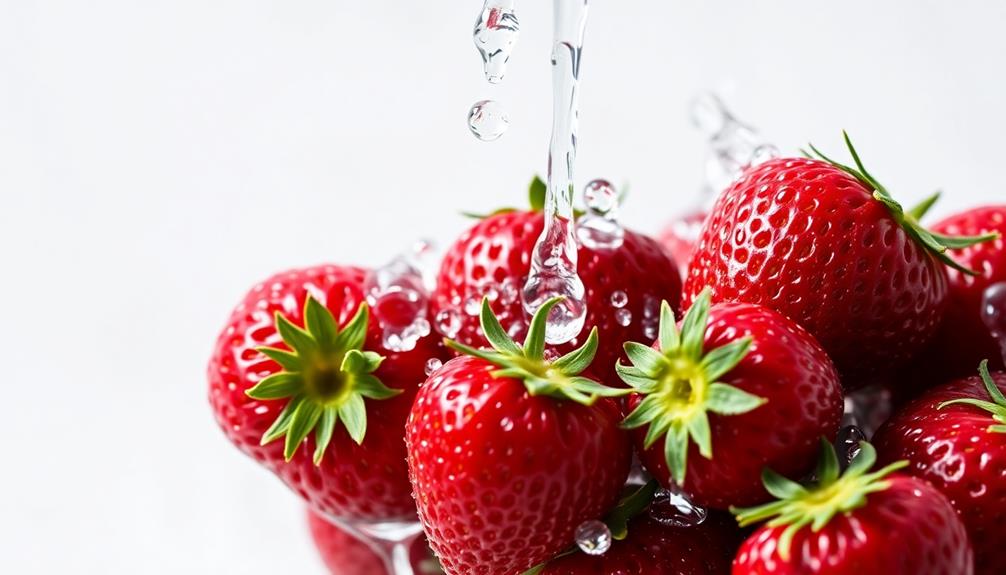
column 432, row 365
column 496, row 32
column 488, row 120
column 994, row 314
column 599, row 228
column 673, row 508
column 593, row 537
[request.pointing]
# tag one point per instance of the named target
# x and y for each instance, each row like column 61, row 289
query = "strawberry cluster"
column 722, row 394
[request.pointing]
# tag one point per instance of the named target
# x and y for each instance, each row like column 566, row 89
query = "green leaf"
column 630, row 506
column 494, row 332
column 961, row 242
column 355, row 333
column 635, row 378
column 356, row 361
column 277, row 386
column 320, row 323
column 863, row 461
column 492, row 357
column 354, row 416
column 698, row 429
column 669, row 337
column 781, row 487
column 534, row 344
column 323, row 433
column 282, row 422
column 920, row 210
column 536, row 194
column 596, row 389
column 298, row 339
column 645, row 358
column 990, row 385
column 303, row 421
column 288, row 361
column 721, row 360
column 729, row 400
column 370, row 387
column 676, row 451
column 828, row 469
column 579, row 359
column 693, row 328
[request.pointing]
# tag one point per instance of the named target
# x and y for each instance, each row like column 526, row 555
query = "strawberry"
column 827, row 246
column 963, row 339
column 680, row 236
column 344, row 554
column 297, row 360
column 862, row 521
column 509, row 452
column 624, row 286
column 954, row 436
column 739, row 387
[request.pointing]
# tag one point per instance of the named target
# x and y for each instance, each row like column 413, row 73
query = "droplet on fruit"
column 593, row 537
column 994, row 314
column 674, row 509
column 847, row 444
column 472, row 306
column 488, row 120
column 432, row 365
column 397, row 295
column 448, row 322
column 599, row 228
column 619, row 299
column 623, row 317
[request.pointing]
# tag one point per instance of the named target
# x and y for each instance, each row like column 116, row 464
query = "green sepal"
column 936, row 244
column 537, row 192
column 680, row 385
column 560, row 378
column 814, row 505
column 996, row 407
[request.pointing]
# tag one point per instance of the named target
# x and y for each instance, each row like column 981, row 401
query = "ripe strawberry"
column 680, row 236
column 624, row 286
column 827, row 246
column 862, row 522
column 344, row 554
column 509, row 452
column 740, row 387
column 955, row 437
column 270, row 378
column 963, row 339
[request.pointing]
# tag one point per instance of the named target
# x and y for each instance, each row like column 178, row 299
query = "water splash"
column 994, row 314
column 488, row 120
column 496, row 33
column 673, row 508
column 593, row 537
column 554, row 258
column 599, row 228
column 398, row 294
column 733, row 145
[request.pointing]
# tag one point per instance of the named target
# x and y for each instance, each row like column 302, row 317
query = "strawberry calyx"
column 815, row 504
column 537, row 191
column 996, row 407
column 559, row 378
column 937, row 244
column 325, row 377
column 681, row 385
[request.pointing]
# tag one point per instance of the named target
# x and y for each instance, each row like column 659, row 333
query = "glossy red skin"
column 810, row 241
column 789, row 369
column 674, row 237
column 655, row 549
column 499, row 248
column 952, row 449
column 501, row 478
column 963, row 339
column 344, row 554
column 908, row 529
column 367, row 481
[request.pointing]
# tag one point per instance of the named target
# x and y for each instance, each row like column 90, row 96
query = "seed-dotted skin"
column 655, row 549
column 809, row 241
column 908, row 529
column 344, row 554
column 497, row 252
column 502, row 479
column 368, row 481
column 952, row 449
column 786, row 366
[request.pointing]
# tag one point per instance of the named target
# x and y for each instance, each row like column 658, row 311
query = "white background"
column 158, row 157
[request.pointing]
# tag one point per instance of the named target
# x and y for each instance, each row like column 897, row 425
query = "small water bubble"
column 599, row 228
column 488, row 120
column 473, row 306
column 496, row 32
column 619, row 299
column 491, row 292
column 674, row 509
column 448, row 322
column 651, row 307
column 847, row 444
column 567, row 317
column 516, row 329
column 396, row 292
column 623, row 317
column 432, row 365
column 593, row 537
column 650, row 330
column 994, row 314
column 509, row 291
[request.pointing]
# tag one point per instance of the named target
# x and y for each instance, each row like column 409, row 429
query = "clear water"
column 847, row 444
column 488, row 120
column 398, row 294
column 496, row 33
column 994, row 314
column 554, row 259
column 599, row 228
column 673, row 508
column 593, row 537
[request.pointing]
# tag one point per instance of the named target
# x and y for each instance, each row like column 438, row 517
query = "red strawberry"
column 827, row 246
column 509, row 452
column 624, row 286
column 680, row 236
column 963, row 339
column 862, row 522
column 954, row 436
column 269, row 378
column 344, row 554
column 738, row 388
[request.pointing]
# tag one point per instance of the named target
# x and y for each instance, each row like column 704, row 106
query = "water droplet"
column 488, row 120
column 593, row 537
column 509, row 291
column 599, row 227
column 550, row 354
column 473, row 306
column 651, row 307
column 398, row 297
column 650, row 330
column 623, row 317
column 432, row 365
column 619, row 299
column 448, row 322
column 516, row 329
column 496, row 32
column 994, row 313
column 566, row 319
column 733, row 145
column 674, row 509
column 847, row 444
column 491, row 291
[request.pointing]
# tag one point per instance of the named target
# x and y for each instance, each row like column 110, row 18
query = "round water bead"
column 488, row 120
column 432, row 365
column 593, row 537
column 674, row 509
